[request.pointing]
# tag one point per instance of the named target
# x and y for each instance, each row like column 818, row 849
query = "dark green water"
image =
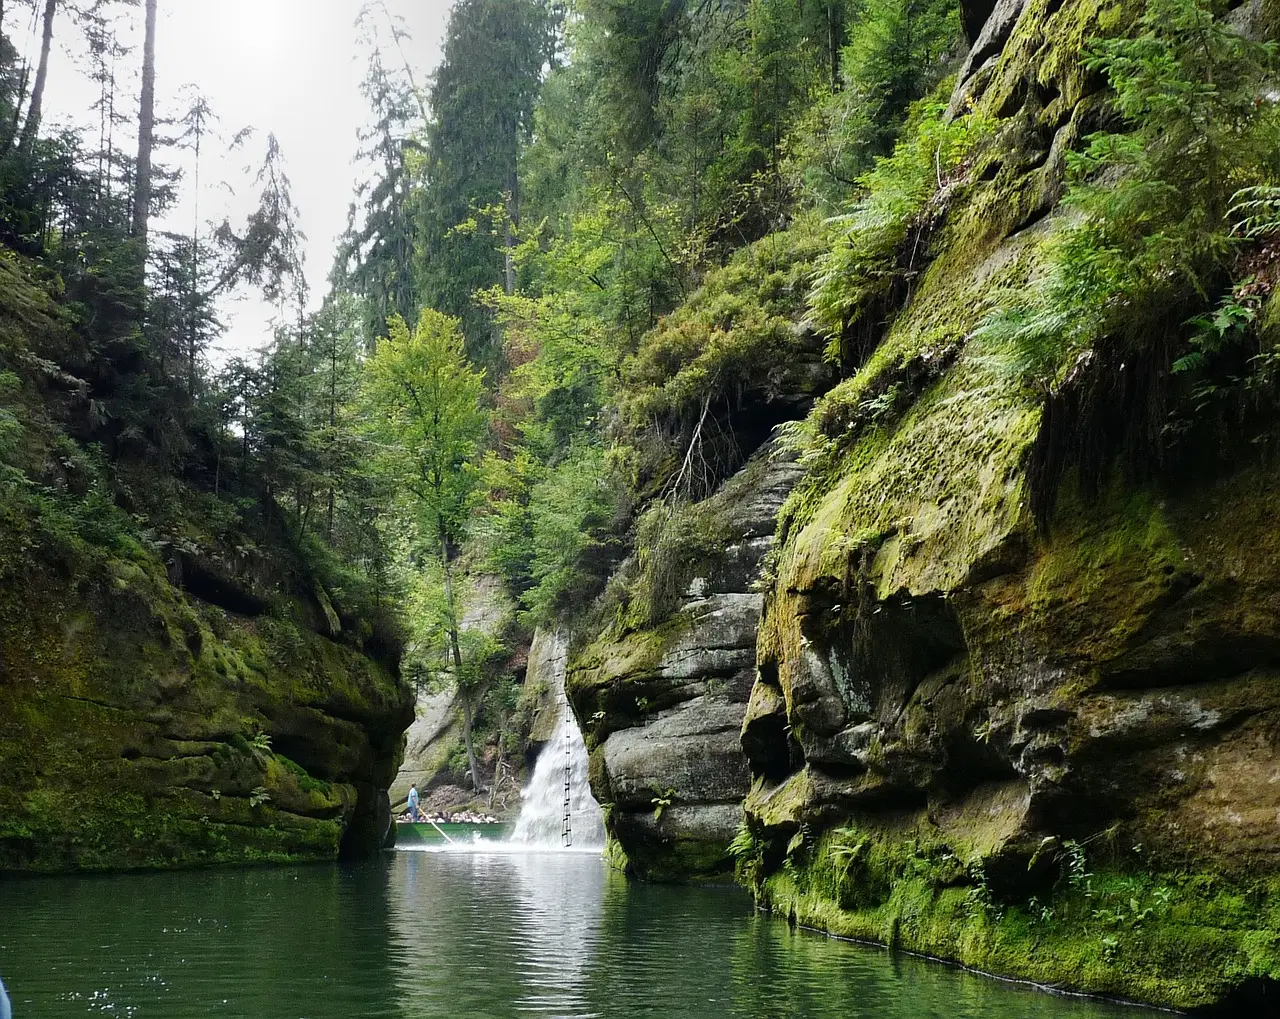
column 432, row 935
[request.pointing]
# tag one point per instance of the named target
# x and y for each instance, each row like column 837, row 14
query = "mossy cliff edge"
column 1041, row 748
column 140, row 727
column 177, row 687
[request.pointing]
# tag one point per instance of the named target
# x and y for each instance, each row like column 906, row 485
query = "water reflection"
column 522, row 930
column 265, row 944
column 456, row 935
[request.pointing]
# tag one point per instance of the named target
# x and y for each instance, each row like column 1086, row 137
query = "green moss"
column 1176, row 939
column 614, row 681
column 736, row 330
column 615, row 856
column 127, row 725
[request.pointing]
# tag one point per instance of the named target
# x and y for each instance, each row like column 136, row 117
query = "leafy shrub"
column 898, row 51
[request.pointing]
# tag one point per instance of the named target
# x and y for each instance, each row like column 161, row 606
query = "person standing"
column 413, row 810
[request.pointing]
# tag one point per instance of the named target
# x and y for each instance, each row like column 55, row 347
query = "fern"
column 896, row 196
column 1256, row 211
column 1154, row 203
column 745, row 844
column 1226, row 325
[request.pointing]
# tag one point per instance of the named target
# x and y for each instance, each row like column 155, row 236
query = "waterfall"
column 560, row 773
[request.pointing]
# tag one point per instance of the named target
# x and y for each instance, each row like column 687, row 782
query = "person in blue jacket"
column 4, row 1003
column 413, row 816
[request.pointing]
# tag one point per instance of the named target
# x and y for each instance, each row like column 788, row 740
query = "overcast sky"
column 292, row 67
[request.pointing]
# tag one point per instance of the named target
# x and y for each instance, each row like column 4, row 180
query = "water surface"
column 420, row 935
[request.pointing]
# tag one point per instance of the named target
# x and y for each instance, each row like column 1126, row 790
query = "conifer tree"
column 32, row 124
column 146, row 128
column 482, row 101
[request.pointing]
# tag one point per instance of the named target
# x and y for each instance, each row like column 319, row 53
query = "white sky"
column 292, row 67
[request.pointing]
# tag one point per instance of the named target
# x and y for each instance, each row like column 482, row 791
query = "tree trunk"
column 509, row 262
column 146, row 128
column 456, row 650
column 835, row 33
column 32, row 124
column 193, row 297
column 11, row 129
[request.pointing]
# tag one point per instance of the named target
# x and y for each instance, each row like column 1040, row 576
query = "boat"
column 425, row 833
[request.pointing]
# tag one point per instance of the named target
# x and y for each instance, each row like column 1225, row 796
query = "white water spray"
column 558, row 810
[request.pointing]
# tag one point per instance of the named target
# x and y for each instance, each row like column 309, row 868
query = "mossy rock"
column 142, row 728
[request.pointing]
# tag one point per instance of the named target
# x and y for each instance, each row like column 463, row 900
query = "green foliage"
column 1152, row 231
column 376, row 255
column 423, row 399
column 1112, row 923
column 482, row 98
column 747, row 850
column 1256, row 211
column 700, row 101
column 1114, row 315
column 673, row 540
column 1226, row 326
column 886, row 235
column 547, row 526
column 568, row 510
column 897, row 53
column 733, row 346
column 661, row 800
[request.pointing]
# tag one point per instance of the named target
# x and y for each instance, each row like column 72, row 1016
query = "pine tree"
column 375, row 259
column 482, row 101
column 34, row 112
column 146, row 128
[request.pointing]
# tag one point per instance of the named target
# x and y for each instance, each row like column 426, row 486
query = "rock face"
column 143, row 727
column 435, row 730
column 1050, row 754
column 548, row 662
column 1045, row 751
column 662, row 707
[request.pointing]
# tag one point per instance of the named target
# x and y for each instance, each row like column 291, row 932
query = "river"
column 423, row 935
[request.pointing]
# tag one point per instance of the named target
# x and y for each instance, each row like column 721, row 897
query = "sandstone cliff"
column 141, row 726
column 182, row 679
column 1043, row 747
column 662, row 706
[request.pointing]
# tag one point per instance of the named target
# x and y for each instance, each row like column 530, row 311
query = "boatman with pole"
column 413, row 803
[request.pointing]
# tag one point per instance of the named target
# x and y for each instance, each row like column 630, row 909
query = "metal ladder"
column 566, row 829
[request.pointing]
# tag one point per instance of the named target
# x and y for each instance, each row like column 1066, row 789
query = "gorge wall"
column 183, row 679
column 143, row 727
column 1048, row 751
column 662, row 707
